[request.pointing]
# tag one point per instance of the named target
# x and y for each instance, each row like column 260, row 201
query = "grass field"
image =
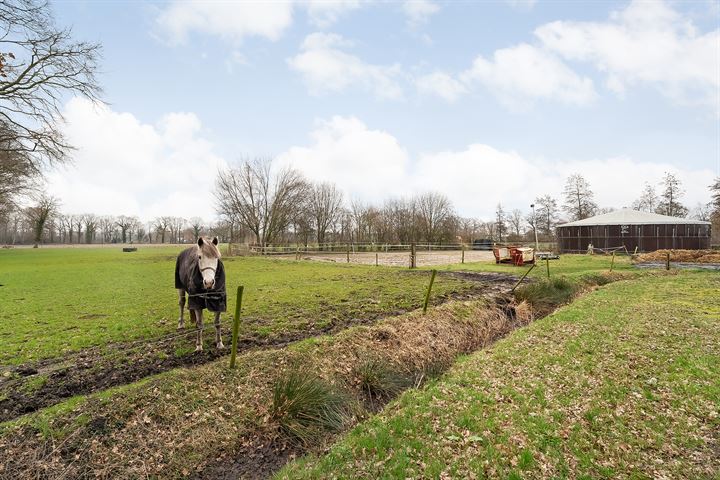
column 60, row 300
column 623, row 383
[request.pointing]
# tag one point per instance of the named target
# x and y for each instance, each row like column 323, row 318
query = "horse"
column 199, row 272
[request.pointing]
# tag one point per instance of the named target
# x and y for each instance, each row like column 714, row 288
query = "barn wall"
column 646, row 238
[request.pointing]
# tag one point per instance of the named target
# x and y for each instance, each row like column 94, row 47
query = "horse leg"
column 199, row 325
column 218, row 336
column 181, row 302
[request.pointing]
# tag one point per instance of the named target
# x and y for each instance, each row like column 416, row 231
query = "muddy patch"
column 259, row 459
column 33, row 386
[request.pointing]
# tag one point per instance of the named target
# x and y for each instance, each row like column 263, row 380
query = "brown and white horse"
column 200, row 273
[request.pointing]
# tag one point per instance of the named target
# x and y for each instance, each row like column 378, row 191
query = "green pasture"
column 622, row 383
column 59, row 300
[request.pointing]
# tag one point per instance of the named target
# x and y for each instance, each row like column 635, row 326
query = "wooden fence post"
column 413, row 262
column 667, row 261
column 427, row 295
column 462, row 260
column 376, row 259
column 612, row 262
column 348, row 253
column 236, row 326
column 547, row 264
column 523, row 277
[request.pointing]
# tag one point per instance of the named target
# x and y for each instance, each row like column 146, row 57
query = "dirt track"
column 400, row 259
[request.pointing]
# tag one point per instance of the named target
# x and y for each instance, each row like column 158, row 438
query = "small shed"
column 632, row 228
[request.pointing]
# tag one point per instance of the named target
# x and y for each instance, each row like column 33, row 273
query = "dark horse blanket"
column 188, row 278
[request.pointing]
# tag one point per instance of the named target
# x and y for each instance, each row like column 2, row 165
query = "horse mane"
column 209, row 249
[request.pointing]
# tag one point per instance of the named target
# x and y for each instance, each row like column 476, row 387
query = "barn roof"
column 628, row 216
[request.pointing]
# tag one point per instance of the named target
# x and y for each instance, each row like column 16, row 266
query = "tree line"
column 277, row 205
column 45, row 223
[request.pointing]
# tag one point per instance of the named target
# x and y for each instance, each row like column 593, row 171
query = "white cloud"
column 236, row 20
column 324, row 13
column 372, row 165
column 232, row 21
column 235, row 59
column 442, row 85
column 122, row 166
column 419, row 12
column 326, row 67
column 522, row 5
column 523, row 73
column 647, row 43
column 365, row 163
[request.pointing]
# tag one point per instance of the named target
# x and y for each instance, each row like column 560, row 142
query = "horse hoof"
column 180, row 327
column 199, row 348
column 220, row 346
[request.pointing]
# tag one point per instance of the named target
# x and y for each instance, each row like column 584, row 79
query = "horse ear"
column 215, row 241
column 200, row 242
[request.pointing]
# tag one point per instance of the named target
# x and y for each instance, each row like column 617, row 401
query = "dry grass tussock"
column 174, row 424
column 690, row 256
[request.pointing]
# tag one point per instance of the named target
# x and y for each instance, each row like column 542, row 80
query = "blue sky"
column 480, row 100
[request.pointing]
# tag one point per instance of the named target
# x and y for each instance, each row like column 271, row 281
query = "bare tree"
column 76, row 222
column 106, row 225
column 669, row 198
column 17, row 179
column 500, row 225
column 579, row 199
column 547, row 212
column 433, row 210
column 702, row 212
column 39, row 214
column 263, row 200
column 648, row 199
column 40, row 66
column 325, row 205
column 91, row 224
column 161, row 225
column 134, row 225
column 516, row 221
column 124, row 223
column 715, row 193
column 177, row 225
column 196, row 224
column 65, row 227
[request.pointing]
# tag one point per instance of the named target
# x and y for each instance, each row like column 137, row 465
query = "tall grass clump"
column 304, row 404
column 547, row 294
column 378, row 381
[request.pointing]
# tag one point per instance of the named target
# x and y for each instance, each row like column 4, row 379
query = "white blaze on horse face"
column 208, row 267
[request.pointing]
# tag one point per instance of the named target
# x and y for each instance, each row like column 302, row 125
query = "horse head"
column 208, row 256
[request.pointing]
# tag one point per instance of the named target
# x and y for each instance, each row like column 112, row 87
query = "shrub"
column 303, row 404
column 547, row 294
column 380, row 382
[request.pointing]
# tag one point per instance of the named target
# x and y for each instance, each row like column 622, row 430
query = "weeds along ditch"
column 29, row 387
column 212, row 422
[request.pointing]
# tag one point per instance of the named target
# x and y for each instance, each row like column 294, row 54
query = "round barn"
column 631, row 228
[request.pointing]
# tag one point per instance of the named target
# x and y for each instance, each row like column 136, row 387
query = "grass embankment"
column 176, row 423
column 60, row 300
column 623, row 383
